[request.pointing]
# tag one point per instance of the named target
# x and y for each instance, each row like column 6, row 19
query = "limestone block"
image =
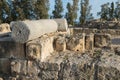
column 60, row 44
column 10, row 49
column 117, row 51
column 5, row 35
column 76, row 43
column 62, row 24
column 4, row 66
column 4, row 28
column 32, row 68
column 102, row 40
column 89, row 42
column 46, row 43
column 49, row 75
column 28, row 78
column 33, row 51
column 12, row 78
column 6, row 39
column 24, row 31
column 18, row 67
column 1, row 78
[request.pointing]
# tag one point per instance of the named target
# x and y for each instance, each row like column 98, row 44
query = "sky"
column 96, row 5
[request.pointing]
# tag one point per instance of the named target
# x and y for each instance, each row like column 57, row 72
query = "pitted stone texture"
column 76, row 43
column 89, row 42
column 102, row 40
column 60, row 44
column 49, row 66
column 62, row 24
column 33, row 51
column 19, row 67
column 4, row 28
column 32, row 68
column 10, row 49
column 1, row 78
column 117, row 51
column 4, row 66
column 46, row 46
column 49, row 75
column 28, row 78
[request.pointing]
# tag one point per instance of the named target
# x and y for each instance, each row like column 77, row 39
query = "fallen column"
column 62, row 24
column 23, row 31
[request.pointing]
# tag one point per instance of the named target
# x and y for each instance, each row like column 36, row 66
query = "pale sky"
column 95, row 5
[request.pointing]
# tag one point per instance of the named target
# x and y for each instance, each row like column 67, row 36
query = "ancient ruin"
column 50, row 50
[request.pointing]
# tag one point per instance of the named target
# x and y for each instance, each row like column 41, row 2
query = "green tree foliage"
column 117, row 11
column 41, row 9
column 58, row 9
column 104, row 14
column 111, row 12
column 68, row 15
column 71, row 14
column 17, row 11
column 86, row 15
column 4, row 11
column 75, row 9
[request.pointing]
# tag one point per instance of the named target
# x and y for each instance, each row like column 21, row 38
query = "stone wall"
column 61, row 56
column 113, row 32
column 28, row 61
column 102, row 24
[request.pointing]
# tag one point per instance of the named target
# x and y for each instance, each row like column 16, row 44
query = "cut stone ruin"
column 23, row 31
column 52, row 56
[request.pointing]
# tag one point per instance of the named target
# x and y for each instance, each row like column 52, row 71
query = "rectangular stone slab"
column 9, row 49
column 4, row 66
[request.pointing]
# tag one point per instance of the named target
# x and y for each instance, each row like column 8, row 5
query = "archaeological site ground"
column 48, row 49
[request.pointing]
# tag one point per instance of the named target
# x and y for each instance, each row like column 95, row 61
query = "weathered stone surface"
column 4, row 28
column 12, row 78
column 102, row 40
column 24, row 31
column 28, row 78
column 49, row 66
column 5, row 35
column 76, row 43
column 19, row 67
column 4, row 66
column 46, row 43
column 32, row 68
column 1, row 78
column 89, row 42
column 10, row 49
column 62, row 24
column 49, row 75
column 33, row 51
column 60, row 44
column 117, row 51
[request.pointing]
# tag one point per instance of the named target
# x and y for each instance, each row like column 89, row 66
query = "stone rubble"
column 62, row 56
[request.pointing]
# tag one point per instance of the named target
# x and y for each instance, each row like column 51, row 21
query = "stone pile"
column 58, row 56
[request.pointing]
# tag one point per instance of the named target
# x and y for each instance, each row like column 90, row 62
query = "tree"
column 68, row 15
column 28, row 8
column 104, row 13
column 1, row 12
column 75, row 9
column 4, row 11
column 71, row 14
column 17, row 12
column 117, row 10
column 58, row 9
column 111, row 12
column 86, row 15
column 41, row 9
